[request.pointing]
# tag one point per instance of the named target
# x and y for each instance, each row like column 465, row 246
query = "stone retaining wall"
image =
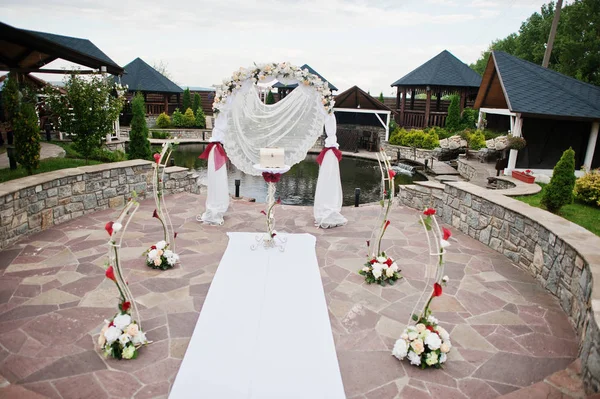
column 562, row 256
column 35, row 203
column 465, row 170
column 406, row 152
column 198, row 134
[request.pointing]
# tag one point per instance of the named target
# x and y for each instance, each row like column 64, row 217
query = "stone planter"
column 524, row 177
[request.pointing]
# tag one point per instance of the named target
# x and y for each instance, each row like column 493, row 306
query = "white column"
column 591, row 147
column 480, row 119
column 387, row 128
column 516, row 127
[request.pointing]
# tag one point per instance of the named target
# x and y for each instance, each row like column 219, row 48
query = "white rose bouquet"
column 159, row 256
column 381, row 270
column 425, row 345
column 121, row 337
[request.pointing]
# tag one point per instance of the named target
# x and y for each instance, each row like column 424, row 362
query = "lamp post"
column 12, row 157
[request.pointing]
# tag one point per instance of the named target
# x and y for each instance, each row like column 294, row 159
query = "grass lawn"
column 46, row 165
column 587, row 216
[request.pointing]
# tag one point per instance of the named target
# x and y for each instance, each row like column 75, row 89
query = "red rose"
column 157, row 157
column 110, row 273
column 264, row 213
column 391, row 173
column 175, row 235
column 125, row 306
column 387, row 223
column 109, row 228
column 429, row 212
column 437, row 290
column 373, row 260
column 368, row 243
column 278, row 202
column 389, row 262
column 111, row 324
column 447, row 233
column 430, row 328
column 155, row 214
column 153, row 247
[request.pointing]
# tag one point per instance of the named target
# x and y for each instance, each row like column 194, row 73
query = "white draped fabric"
column 328, row 195
column 217, row 198
column 264, row 329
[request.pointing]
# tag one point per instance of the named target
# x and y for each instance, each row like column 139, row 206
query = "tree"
column 200, row 118
column 88, row 110
column 197, row 102
column 189, row 119
column 270, row 98
column 381, row 97
column 574, row 48
column 162, row 68
column 27, row 137
column 559, row 191
column 453, row 119
column 187, row 99
column 139, row 145
column 11, row 97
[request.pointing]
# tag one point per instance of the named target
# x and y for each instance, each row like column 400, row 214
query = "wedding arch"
column 243, row 125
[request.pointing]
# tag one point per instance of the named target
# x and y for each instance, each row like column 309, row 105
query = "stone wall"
column 35, row 203
column 365, row 128
column 196, row 134
column 465, row 170
column 406, row 152
column 562, row 256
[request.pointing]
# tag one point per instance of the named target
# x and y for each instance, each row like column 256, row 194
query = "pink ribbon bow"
column 271, row 177
column 220, row 156
column 336, row 152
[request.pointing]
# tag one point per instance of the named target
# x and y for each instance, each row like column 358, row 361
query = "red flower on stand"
column 271, row 177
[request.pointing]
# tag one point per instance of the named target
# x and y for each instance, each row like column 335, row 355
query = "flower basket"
column 523, row 176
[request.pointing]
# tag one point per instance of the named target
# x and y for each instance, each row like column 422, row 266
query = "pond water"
column 297, row 187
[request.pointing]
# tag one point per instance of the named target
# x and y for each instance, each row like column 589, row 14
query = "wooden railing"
column 414, row 119
column 437, row 119
column 155, row 108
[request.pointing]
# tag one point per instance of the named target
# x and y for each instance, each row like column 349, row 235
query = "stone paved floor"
column 48, row 151
column 507, row 332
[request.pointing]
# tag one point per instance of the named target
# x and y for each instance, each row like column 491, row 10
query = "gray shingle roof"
column 442, row 70
column 139, row 76
column 532, row 89
column 83, row 46
column 306, row 66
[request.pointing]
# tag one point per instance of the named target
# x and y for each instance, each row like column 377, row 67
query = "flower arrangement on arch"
column 159, row 256
column 121, row 336
column 260, row 73
column 380, row 269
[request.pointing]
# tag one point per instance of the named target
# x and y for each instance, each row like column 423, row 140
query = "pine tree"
column 197, row 103
column 187, row 99
column 189, row 119
column 559, row 191
column 270, row 98
column 139, row 145
column 200, row 118
column 27, row 138
column 453, row 119
column 381, row 97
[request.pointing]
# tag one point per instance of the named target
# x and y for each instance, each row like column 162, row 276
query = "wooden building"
column 551, row 111
column 160, row 93
column 284, row 90
column 442, row 75
column 207, row 97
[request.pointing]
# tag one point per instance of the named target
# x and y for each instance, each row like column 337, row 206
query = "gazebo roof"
column 27, row 51
column 524, row 87
column 443, row 70
column 139, row 76
column 306, row 66
column 357, row 98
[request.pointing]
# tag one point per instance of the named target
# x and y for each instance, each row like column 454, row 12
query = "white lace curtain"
column 245, row 124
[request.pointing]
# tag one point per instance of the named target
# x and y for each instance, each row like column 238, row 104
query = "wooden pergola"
column 442, row 75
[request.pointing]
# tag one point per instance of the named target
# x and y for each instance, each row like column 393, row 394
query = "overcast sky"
column 370, row 44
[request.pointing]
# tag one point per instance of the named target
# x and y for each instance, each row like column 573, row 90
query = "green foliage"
column 381, row 97
column 139, row 145
column 163, row 121
column 27, row 137
column 87, row 110
column 393, row 126
column 105, row 155
column 577, row 33
column 440, row 131
column 197, row 103
column 177, row 118
column 270, row 98
column 559, row 191
column 475, row 138
column 189, row 119
column 516, row 143
column 490, row 134
column 187, row 99
column 587, row 188
column 200, row 118
column 11, row 97
column 160, row 135
column 415, row 138
column 46, row 165
column 469, row 118
column 453, row 119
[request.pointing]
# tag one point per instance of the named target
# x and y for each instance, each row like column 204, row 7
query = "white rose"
column 417, row 346
column 381, row 259
column 394, row 267
column 414, row 358
column 432, row 358
column 152, row 254
column 389, row 272
column 421, row 327
column 445, row 279
column 432, row 319
column 445, row 347
column 377, row 273
column 400, row 349
column 412, row 333
column 112, row 334
column 168, row 253
column 139, row 338
column 171, row 261
column 404, row 336
column 443, row 333
column 117, row 226
column 122, row 321
column 366, row 269
column 124, row 338
column 161, row 244
column 378, row 266
column 443, row 358
column 433, row 341
column 444, row 244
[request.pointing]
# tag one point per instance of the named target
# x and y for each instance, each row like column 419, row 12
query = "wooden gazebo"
column 284, row 90
column 160, row 93
column 442, row 75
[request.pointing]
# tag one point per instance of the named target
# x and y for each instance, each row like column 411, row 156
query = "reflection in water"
column 297, row 187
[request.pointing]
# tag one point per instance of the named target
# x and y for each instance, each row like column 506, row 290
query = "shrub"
column 187, row 99
column 587, row 187
column 440, row 131
column 11, row 98
column 397, row 136
column 177, row 118
column 160, row 135
column 516, row 143
column 197, row 103
column 475, row 138
column 490, row 134
column 105, row 155
column 469, row 118
column 27, row 138
column 163, row 121
column 453, row 119
column 200, row 118
column 559, row 191
column 415, row 138
column 381, row 97
column 189, row 119
column 139, row 145
column 270, row 98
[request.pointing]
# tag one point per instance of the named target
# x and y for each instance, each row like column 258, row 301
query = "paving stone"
column 80, row 363
column 82, row 386
column 365, row 371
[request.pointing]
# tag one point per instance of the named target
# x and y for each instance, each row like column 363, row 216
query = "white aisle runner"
column 263, row 332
